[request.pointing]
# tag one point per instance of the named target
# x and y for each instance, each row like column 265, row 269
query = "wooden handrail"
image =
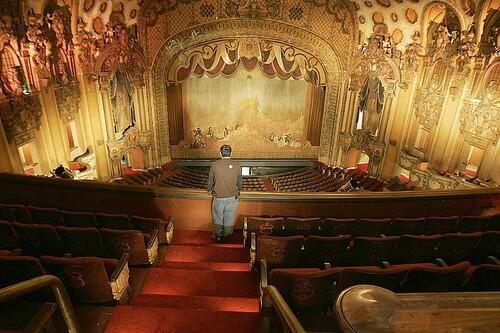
column 58, row 289
column 287, row 317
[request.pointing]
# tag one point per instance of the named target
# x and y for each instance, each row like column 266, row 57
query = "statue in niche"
column 41, row 46
column 121, row 99
column 10, row 68
column 56, row 23
column 371, row 102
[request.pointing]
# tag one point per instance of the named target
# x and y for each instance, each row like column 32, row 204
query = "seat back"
column 494, row 223
column 280, row 251
column 83, row 241
column 79, row 219
column 305, row 290
column 488, row 245
column 368, row 251
column 389, row 278
column 371, row 227
column 319, row 250
column 406, row 226
column 268, row 226
column 339, row 227
column 436, row 279
column 15, row 269
column 416, row 249
column 468, row 224
column 114, row 221
column 483, row 278
column 12, row 212
column 454, row 248
column 118, row 242
column 301, row 226
column 439, row 225
column 84, row 277
column 41, row 215
column 8, row 239
column 39, row 239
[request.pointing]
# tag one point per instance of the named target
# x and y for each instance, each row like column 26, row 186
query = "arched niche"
column 122, row 68
column 369, row 67
column 178, row 48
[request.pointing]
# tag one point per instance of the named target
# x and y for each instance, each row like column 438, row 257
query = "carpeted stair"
column 201, row 286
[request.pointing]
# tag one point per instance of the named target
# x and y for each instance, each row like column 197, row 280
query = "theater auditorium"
column 367, row 138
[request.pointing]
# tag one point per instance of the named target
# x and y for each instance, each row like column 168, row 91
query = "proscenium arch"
column 248, row 28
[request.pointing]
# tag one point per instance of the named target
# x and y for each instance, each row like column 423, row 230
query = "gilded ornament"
column 88, row 5
column 362, row 19
column 400, row 1
column 394, row 17
column 397, row 36
column 368, row 3
column 98, row 25
column 411, row 15
column 385, row 3
column 378, row 17
column 103, row 7
column 133, row 13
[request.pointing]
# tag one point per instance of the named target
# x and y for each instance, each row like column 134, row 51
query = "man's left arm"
column 239, row 181
column 210, row 184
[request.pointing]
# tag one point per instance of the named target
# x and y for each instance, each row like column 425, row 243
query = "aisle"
column 200, row 286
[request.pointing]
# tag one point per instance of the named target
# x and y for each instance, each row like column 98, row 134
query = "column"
column 114, row 158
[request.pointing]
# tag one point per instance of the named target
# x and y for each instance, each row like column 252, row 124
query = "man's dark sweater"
column 224, row 178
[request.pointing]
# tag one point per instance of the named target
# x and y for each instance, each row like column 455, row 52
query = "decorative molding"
column 20, row 116
column 68, row 101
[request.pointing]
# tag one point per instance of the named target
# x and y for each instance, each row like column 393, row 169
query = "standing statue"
column 371, row 102
column 10, row 67
column 121, row 98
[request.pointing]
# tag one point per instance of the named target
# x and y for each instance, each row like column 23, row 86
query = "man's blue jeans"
column 223, row 214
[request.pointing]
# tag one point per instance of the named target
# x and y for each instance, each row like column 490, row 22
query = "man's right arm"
column 210, row 185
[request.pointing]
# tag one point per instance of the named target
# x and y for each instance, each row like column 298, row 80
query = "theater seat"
column 141, row 251
column 301, row 226
column 371, row 227
column 39, row 239
column 305, row 290
column 489, row 245
column 83, row 241
column 40, row 215
column 456, row 247
column 368, row 251
column 79, row 219
column 15, row 269
column 439, row 225
column 339, row 227
column 8, row 239
column 333, row 250
column 91, row 279
column 280, row 251
column 148, row 225
column 436, row 279
column 483, row 278
column 268, row 226
column 406, row 226
column 114, row 221
column 415, row 249
column 12, row 212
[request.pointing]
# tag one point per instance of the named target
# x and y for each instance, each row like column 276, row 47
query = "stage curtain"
column 315, row 117
column 175, row 117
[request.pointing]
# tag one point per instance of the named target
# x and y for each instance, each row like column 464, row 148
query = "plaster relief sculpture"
column 411, row 15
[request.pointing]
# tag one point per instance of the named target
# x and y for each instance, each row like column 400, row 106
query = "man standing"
column 224, row 183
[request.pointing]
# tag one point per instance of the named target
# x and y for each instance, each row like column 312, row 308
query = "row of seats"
column 315, row 251
column 290, row 226
column 146, row 177
column 43, row 239
column 56, row 217
column 87, row 279
column 310, row 291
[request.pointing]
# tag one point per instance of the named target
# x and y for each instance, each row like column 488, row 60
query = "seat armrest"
column 253, row 250
column 119, row 279
column 385, row 264
column 169, row 230
column 494, row 260
column 152, row 247
column 245, row 230
column 328, row 265
column 440, row 262
column 119, row 267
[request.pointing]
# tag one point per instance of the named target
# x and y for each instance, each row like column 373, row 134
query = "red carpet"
column 201, row 286
column 131, row 319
